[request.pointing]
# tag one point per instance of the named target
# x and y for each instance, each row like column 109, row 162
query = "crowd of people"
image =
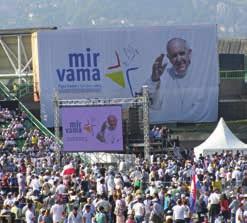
column 161, row 134
column 36, row 187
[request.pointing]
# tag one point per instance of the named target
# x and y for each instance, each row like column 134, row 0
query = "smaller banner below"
column 92, row 129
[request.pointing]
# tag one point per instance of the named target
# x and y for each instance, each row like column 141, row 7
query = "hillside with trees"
column 229, row 15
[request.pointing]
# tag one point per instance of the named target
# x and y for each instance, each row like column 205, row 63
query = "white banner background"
column 193, row 98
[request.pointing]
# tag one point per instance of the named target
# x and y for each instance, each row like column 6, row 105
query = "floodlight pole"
column 146, row 122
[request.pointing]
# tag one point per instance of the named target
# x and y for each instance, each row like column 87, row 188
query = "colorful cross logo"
column 117, row 75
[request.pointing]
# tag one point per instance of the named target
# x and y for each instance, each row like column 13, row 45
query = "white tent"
column 220, row 139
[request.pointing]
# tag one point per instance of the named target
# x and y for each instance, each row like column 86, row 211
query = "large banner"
column 92, row 129
column 179, row 65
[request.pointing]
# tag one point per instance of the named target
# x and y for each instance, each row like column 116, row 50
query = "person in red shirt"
column 130, row 219
column 224, row 208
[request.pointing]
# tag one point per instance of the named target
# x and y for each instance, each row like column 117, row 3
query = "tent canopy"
column 220, row 139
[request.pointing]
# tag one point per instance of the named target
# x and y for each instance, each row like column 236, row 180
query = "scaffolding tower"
column 141, row 100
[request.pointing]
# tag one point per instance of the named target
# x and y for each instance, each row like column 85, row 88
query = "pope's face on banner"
column 179, row 55
column 112, row 122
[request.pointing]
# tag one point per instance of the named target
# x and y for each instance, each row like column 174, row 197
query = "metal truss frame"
column 18, row 60
column 142, row 100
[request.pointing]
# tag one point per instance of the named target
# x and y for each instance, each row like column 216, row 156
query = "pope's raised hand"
column 158, row 67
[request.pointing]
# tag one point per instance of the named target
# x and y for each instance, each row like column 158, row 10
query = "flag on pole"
column 195, row 184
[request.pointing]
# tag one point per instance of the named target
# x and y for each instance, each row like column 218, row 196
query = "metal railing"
column 10, row 96
column 23, row 90
column 233, row 75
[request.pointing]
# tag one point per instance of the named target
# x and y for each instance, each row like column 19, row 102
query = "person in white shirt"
column 178, row 212
column 75, row 216
column 107, row 133
column 180, row 93
column 161, row 173
column 29, row 215
column 147, row 203
column 21, row 179
column 139, row 210
column 92, row 207
column 187, row 214
column 236, row 176
column 214, row 201
column 153, row 189
column 35, row 185
column 118, row 182
column 61, row 188
column 240, row 214
column 87, row 215
column 122, row 166
column 9, row 200
column 57, row 212
column 101, row 186
column 110, row 183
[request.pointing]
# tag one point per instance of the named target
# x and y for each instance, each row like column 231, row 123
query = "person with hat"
column 139, row 209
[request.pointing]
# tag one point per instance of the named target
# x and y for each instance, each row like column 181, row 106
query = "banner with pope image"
column 179, row 64
column 92, row 129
